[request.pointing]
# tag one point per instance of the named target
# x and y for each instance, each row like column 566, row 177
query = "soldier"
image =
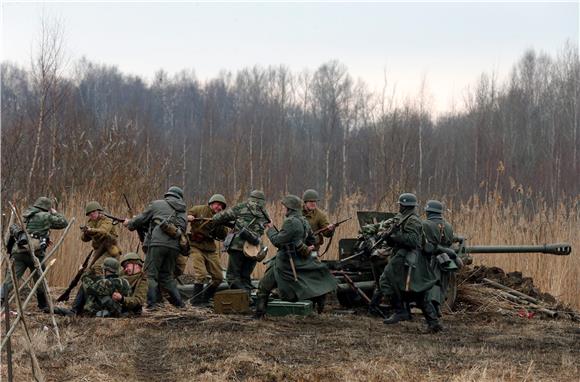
column 316, row 218
column 438, row 239
column 39, row 220
column 294, row 271
column 102, row 233
column 133, row 273
column 166, row 222
column 203, row 250
column 408, row 275
column 318, row 223
column 250, row 219
column 101, row 292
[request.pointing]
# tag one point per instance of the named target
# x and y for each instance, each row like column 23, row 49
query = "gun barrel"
column 559, row 249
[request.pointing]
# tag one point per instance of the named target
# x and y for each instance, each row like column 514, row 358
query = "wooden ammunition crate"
column 231, row 301
column 284, row 308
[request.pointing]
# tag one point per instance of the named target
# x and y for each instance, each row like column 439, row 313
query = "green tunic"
column 406, row 241
column 437, row 232
column 313, row 278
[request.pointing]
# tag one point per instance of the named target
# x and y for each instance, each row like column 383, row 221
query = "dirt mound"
column 484, row 289
column 514, row 280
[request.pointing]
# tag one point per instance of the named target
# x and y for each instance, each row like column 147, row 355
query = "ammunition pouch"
column 229, row 240
column 183, row 245
column 249, row 236
column 170, row 229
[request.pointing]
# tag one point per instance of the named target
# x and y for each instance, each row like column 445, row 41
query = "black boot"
column 401, row 313
column 375, row 304
column 319, row 303
column 175, row 297
column 79, row 303
column 209, row 293
column 41, row 300
column 152, row 298
column 430, row 315
column 261, row 306
column 197, row 298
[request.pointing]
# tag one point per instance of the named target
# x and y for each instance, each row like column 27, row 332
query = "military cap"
column 434, row 206
column 292, row 202
column 92, row 206
column 217, row 198
column 408, row 200
column 43, row 203
column 175, row 191
column 131, row 256
column 310, row 195
column 111, row 264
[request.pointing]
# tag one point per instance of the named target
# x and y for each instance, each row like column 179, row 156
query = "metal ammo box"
column 284, row 308
column 231, row 301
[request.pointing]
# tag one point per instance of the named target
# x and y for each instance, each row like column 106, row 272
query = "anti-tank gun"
column 364, row 258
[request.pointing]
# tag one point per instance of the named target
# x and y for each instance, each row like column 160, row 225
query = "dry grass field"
column 481, row 223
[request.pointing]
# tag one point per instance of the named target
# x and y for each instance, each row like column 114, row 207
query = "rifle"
column 324, row 229
column 66, row 294
column 140, row 231
column 115, row 219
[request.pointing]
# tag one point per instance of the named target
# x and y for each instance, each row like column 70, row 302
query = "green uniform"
column 313, row 278
column 317, row 220
column 203, row 249
column 99, row 294
column 252, row 216
column 137, row 298
column 438, row 232
column 38, row 224
column 162, row 249
column 102, row 234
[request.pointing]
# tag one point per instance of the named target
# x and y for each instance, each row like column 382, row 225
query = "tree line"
column 100, row 130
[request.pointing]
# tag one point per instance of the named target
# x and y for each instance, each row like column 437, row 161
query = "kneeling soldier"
column 137, row 279
column 296, row 274
column 100, row 293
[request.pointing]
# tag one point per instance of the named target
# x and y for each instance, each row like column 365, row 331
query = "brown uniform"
column 317, row 220
column 103, row 237
column 203, row 249
column 138, row 297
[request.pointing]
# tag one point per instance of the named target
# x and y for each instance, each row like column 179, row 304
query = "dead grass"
column 195, row 344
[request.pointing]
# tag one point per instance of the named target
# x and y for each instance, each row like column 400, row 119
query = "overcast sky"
column 450, row 44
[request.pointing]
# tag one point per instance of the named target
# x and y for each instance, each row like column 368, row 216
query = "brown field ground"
column 196, row 344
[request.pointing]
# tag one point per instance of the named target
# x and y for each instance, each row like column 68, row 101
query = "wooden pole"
column 36, row 371
column 39, row 269
column 9, row 343
column 38, row 282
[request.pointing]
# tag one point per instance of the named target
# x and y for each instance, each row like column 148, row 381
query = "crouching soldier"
column 296, row 274
column 100, row 302
column 133, row 272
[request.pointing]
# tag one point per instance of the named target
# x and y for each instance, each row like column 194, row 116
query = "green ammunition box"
column 284, row 308
column 231, row 301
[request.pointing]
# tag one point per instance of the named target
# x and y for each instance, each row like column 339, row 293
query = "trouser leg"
column 199, row 268
column 152, row 265
column 166, row 278
column 247, row 269
column 234, row 271
column 428, row 311
column 267, row 284
column 20, row 268
column 80, row 299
